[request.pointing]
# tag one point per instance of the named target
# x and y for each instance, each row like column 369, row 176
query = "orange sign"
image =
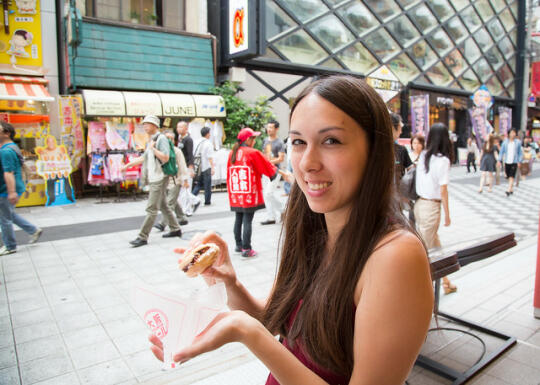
column 238, row 28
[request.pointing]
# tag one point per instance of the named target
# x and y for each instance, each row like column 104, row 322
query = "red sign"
column 535, row 79
column 238, row 27
column 4, row 117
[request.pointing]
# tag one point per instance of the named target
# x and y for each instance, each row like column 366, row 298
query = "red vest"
column 244, row 179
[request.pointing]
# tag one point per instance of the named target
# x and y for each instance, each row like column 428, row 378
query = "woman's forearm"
column 239, row 298
column 444, row 198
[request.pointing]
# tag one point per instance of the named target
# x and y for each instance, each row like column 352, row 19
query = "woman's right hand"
column 222, row 269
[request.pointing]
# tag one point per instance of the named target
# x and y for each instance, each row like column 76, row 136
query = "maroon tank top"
column 329, row 377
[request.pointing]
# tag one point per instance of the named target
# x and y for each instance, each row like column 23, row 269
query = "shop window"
column 299, row 47
column 358, row 16
column 424, row 19
column 441, row 9
column 440, row 42
column 484, row 9
column 494, row 58
column 482, row 69
column 507, row 48
column 277, row 21
column 305, row 10
column 459, row 4
column 332, row 32
column 470, row 50
column 439, row 75
column 403, row 30
column 174, row 14
column 407, row 3
column 456, row 29
column 496, row 29
column 422, row 54
column 404, row 68
column 358, row 59
column 498, row 5
column 471, row 19
column 382, row 44
column 483, row 39
column 494, row 86
column 455, row 62
column 469, row 81
column 505, row 75
column 507, row 19
column 385, row 9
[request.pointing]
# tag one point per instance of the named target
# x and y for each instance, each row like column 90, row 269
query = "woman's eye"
column 332, row 141
column 297, row 142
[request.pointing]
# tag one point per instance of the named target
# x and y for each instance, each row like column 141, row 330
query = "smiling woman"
column 353, row 291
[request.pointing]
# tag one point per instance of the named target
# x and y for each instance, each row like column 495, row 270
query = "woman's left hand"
column 225, row 328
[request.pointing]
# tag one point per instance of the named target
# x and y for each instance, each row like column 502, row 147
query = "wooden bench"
column 444, row 264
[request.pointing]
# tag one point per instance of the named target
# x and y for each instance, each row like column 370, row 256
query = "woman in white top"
column 432, row 176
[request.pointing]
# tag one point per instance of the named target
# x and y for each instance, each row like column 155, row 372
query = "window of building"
column 403, row 30
column 511, row 90
column 277, row 21
column 404, row 68
column 441, row 8
column 424, row 19
column 299, row 47
column 305, row 10
column 506, row 47
column 482, row 69
column 332, row 32
column 484, row 9
column 496, row 29
column 407, row 3
column 505, row 75
column 382, row 44
column 456, row 29
column 494, row 58
column 455, row 62
column 358, row 16
column 469, row 81
column 494, row 86
column 498, row 5
column 459, row 4
column 440, row 42
column 439, row 75
column 165, row 13
column 470, row 50
column 385, row 9
column 471, row 19
column 422, row 54
column 507, row 19
column 357, row 58
column 483, row 39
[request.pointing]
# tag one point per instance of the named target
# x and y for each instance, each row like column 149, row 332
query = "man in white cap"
column 155, row 155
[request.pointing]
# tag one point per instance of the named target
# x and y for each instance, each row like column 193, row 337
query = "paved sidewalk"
column 65, row 316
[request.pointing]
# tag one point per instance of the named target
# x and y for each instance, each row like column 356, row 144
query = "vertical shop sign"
column 482, row 102
column 54, row 166
column 420, row 114
column 241, row 29
column 535, row 79
column 71, row 128
column 505, row 120
column 20, row 39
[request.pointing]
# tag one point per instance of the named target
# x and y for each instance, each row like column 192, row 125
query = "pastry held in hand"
column 199, row 259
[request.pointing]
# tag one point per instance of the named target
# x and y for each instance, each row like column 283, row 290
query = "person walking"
column 511, row 155
column 402, row 158
column 418, row 143
column 156, row 154
column 245, row 167
column 204, row 150
column 185, row 143
column 11, row 188
column 472, row 149
column 274, row 149
column 488, row 163
column 173, row 190
column 432, row 177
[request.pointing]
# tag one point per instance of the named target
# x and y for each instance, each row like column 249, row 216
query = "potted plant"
column 134, row 16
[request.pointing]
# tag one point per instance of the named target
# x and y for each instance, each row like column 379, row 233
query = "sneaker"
column 268, row 222
column 5, row 251
column 34, row 237
column 237, row 249
column 249, row 253
column 195, row 207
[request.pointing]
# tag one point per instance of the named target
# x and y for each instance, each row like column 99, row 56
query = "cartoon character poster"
column 20, row 39
column 54, row 166
column 482, row 100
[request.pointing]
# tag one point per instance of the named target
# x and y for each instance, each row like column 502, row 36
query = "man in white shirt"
column 204, row 180
column 274, row 150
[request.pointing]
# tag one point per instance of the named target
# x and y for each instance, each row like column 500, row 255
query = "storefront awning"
column 118, row 103
column 24, row 88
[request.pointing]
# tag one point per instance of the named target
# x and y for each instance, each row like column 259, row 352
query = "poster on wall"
column 20, row 38
column 54, row 166
column 420, row 114
column 482, row 101
column 71, row 128
column 505, row 120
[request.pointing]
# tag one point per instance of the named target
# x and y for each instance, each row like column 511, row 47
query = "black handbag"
column 407, row 185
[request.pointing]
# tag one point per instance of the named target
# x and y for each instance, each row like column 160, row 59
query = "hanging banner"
column 505, row 120
column 535, row 79
column 54, row 166
column 72, row 133
column 482, row 103
column 420, row 114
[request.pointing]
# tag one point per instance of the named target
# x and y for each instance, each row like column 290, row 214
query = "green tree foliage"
column 240, row 113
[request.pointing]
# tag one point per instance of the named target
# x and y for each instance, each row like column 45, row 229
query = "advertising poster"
column 54, row 166
column 420, row 114
column 505, row 120
column 72, row 129
column 20, row 37
column 482, row 103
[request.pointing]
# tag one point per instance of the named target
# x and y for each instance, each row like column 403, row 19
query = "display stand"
column 100, row 196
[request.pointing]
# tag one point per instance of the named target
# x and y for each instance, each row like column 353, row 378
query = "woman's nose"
column 310, row 161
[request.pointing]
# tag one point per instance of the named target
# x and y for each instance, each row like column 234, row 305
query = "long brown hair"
column 324, row 324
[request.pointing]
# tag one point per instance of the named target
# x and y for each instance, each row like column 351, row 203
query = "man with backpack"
column 159, row 162
column 203, row 166
column 11, row 188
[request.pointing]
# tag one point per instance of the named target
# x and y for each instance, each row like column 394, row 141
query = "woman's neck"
column 335, row 222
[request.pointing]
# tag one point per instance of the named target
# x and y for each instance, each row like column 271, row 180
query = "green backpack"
column 170, row 168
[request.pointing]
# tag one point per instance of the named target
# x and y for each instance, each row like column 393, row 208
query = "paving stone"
column 45, row 368
column 144, row 363
column 28, row 305
column 111, row 372
column 116, row 312
column 32, row 317
column 85, row 337
column 514, row 372
column 77, row 321
column 125, row 326
column 132, row 343
column 485, row 379
column 35, row 331
column 94, row 354
column 65, row 379
column 8, row 358
column 40, row 348
column 10, row 376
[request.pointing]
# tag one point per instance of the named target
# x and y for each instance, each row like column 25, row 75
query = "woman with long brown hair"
column 488, row 163
column 353, row 295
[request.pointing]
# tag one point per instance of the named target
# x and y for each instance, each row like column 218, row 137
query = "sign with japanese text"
column 384, row 82
column 240, row 180
column 70, row 109
column 482, row 100
column 505, row 120
column 535, row 79
column 420, row 114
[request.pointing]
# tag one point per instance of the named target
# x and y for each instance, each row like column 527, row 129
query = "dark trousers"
column 471, row 160
column 204, row 181
column 243, row 238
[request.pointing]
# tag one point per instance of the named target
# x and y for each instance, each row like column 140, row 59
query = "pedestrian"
column 497, row 145
column 529, row 153
column 353, row 291
column 156, row 154
column 418, row 143
column 11, row 188
column 511, row 155
column 402, row 159
column 185, row 143
column 274, row 149
column 472, row 149
column 173, row 190
column 488, row 163
column 432, row 177
column 204, row 151
column 288, row 151
column 245, row 168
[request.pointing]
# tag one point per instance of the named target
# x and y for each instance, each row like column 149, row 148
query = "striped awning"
column 24, row 88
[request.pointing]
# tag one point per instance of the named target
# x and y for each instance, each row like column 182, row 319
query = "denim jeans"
column 7, row 218
column 243, row 238
column 204, row 181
